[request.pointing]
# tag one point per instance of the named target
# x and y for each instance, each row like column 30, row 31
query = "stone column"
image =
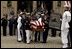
column 34, row 5
column 60, row 9
column 14, row 5
column 3, row 8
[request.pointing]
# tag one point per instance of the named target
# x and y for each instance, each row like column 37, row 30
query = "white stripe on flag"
column 37, row 23
column 33, row 22
column 34, row 27
column 40, row 21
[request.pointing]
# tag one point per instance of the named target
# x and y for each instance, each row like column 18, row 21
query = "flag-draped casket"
column 37, row 24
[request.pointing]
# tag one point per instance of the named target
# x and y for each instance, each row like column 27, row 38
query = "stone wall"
column 5, row 9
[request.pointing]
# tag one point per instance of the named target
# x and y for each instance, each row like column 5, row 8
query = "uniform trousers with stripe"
column 19, row 37
column 28, row 34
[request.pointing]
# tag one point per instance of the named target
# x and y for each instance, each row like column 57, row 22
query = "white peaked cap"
column 21, row 12
column 27, row 13
column 42, row 14
column 67, row 4
column 40, row 19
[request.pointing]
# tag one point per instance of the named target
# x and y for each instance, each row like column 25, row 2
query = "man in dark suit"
column 15, row 25
column 23, row 21
column 4, row 24
column 11, row 22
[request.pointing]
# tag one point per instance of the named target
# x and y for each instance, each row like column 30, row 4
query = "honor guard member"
column 46, row 27
column 11, row 23
column 23, row 21
column 27, row 28
column 19, row 36
column 4, row 24
column 37, row 33
column 33, row 18
column 15, row 25
column 66, row 18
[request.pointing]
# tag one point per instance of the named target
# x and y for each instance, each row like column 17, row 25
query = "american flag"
column 37, row 24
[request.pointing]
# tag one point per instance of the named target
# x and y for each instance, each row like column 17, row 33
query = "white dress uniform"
column 65, row 28
column 18, row 27
column 28, row 33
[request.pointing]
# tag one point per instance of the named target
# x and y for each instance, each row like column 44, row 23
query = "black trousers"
column 45, row 34
column 69, row 38
column 4, row 30
column 60, row 34
column 53, row 32
column 24, row 35
column 11, row 30
column 37, row 36
column 14, row 29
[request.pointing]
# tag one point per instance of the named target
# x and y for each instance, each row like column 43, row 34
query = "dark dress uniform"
column 70, row 32
column 45, row 33
column 4, row 25
column 23, row 21
column 11, row 22
column 37, row 33
column 27, row 30
column 27, row 24
column 69, row 35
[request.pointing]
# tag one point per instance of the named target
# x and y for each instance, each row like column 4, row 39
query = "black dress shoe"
column 11, row 35
column 18, row 41
column 14, row 34
column 35, row 40
column 4, row 35
column 59, row 35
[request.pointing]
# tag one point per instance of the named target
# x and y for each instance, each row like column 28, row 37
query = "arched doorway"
column 49, row 6
column 25, row 5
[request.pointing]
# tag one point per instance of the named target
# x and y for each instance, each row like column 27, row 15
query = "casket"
column 37, row 25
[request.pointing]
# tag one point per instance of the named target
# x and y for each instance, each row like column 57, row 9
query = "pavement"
column 11, row 42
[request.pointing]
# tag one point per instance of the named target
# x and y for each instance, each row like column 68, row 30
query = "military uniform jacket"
column 23, row 21
column 15, row 22
column 11, row 22
column 46, row 22
column 4, row 22
column 27, row 23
